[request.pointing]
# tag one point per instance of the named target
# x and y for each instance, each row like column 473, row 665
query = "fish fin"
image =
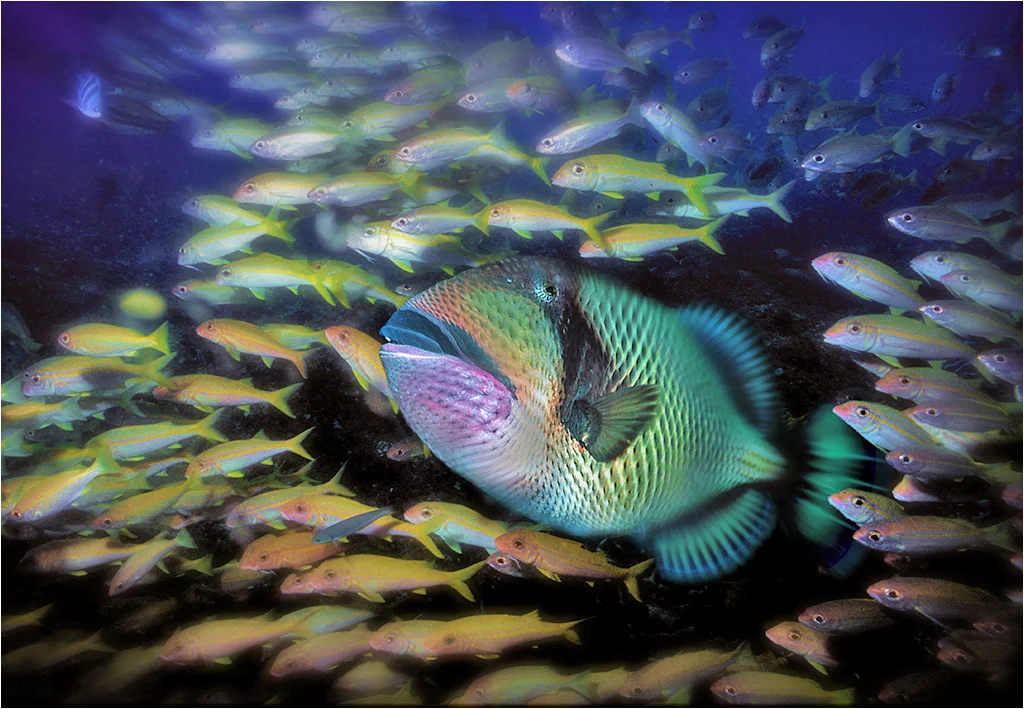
column 268, row 361
column 891, row 361
column 159, row 339
column 488, row 655
column 404, row 265
column 736, row 347
column 681, row 698
column 78, row 573
column 279, row 399
column 294, row 290
column 549, row 574
column 775, row 201
column 371, row 596
column 523, row 233
column 836, row 459
column 896, row 311
column 452, row 544
column 260, row 293
column 424, row 538
column 631, row 577
column 295, row 444
column 693, row 188
column 896, row 70
column 938, row 144
column 818, row 667
column 457, row 580
column 234, row 354
column 184, row 539
column 240, row 153
column 559, row 233
column 715, row 541
column 653, row 195
column 607, row 425
column 614, row 195
column 223, row 660
column 420, row 591
column 276, row 524
column 482, row 220
column 706, row 234
column 450, row 270
column 363, row 381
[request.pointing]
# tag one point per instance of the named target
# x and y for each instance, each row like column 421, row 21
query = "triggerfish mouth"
column 597, row 411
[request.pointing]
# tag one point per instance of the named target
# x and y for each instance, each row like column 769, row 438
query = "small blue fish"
column 89, row 95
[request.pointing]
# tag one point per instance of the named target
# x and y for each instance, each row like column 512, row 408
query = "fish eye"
column 874, row 536
column 940, row 259
column 398, row 94
column 449, row 639
column 402, row 220
column 578, row 169
column 194, row 203
column 225, row 271
column 730, row 690
column 368, row 232
column 964, row 278
column 547, row 142
column 861, row 411
column 382, row 160
column 405, row 151
column 470, row 98
column 209, row 327
column 250, row 187
column 390, row 637
column 500, row 560
column 209, row 133
column 35, row 378
column 918, row 126
column 65, row 338
column 931, row 412
column 329, row 574
column 840, row 261
column 239, row 77
column 427, row 513
column 858, row 501
column 347, row 124
column 260, row 145
column 712, row 140
column 794, row 635
column 685, row 73
column 818, row 618
column 263, row 557
column 937, row 309
column 670, row 200
column 495, row 212
column 16, row 514
column 298, row 118
column 1000, row 358
column 298, row 580
column 904, row 380
column 824, row 114
column 854, row 328
column 518, row 544
column 892, row 593
column 107, row 521
column 960, row 658
column 906, row 459
column 570, row 47
column 638, row 689
column 818, row 158
column 998, row 628
column 300, row 508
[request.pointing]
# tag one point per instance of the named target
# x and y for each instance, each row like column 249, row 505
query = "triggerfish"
column 596, row 411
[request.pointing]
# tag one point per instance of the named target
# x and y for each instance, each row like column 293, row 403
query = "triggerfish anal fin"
column 717, row 541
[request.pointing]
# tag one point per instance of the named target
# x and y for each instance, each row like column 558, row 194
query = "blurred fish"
column 988, row 287
column 762, row 27
column 846, row 617
column 882, row 426
column 971, row 320
column 780, row 45
column 643, row 45
column 702, row 21
column 869, row 279
column 927, row 384
column 840, row 114
column 773, row 688
column 878, row 72
column 891, row 336
column 597, row 55
column 701, row 71
column 89, row 95
column 903, row 104
column 922, row 534
column 937, row 600
column 488, row 635
column 809, row 643
column 237, row 336
column 943, row 87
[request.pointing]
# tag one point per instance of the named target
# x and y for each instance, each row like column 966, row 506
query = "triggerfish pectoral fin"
column 712, row 544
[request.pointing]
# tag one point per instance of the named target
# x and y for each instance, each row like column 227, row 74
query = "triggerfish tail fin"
column 836, row 462
column 716, row 541
column 775, row 201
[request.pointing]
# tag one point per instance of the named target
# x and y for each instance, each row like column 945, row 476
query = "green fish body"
column 595, row 410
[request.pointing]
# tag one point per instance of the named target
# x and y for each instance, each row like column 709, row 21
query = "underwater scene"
column 529, row 354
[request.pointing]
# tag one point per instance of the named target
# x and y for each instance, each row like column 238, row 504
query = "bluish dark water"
column 90, row 210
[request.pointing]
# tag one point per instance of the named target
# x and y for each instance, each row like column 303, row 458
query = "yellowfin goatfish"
column 615, row 174
column 232, row 456
column 488, row 635
column 258, row 273
column 213, row 244
column 632, row 242
column 892, row 336
column 725, row 200
column 870, row 279
column 542, row 383
column 207, row 390
column 59, row 376
column 237, row 336
column 100, row 340
column 279, row 188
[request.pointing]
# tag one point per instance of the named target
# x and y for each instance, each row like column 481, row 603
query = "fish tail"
column 299, row 360
column 911, row 179
column 570, row 633
column 693, row 187
column 159, row 339
column 836, row 464
column 706, row 234
column 203, row 566
column 997, row 232
column 205, row 427
column 632, row 573
column 334, row 484
column 901, row 141
column 590, row 228
column 95, row 642
column 823, row 87
column 539, row 165
column 482, row 221
column 896, row 70
column 277, row 228
column 775, row 201
column 457, row 580
column 151, row 370
column 279, row 399
column 633, row 114
column 295, row 444
column 184, row 539
column 1002, row 535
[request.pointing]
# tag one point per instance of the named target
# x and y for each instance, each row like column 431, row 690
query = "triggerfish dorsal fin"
column 735, row 347
column 716, row 541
